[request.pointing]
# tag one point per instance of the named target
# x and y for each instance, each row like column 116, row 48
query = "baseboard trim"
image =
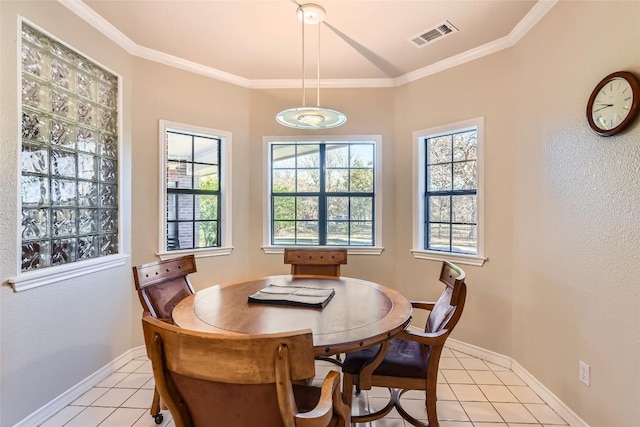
column 551, row 399
column 57, row 404
column 501, row 360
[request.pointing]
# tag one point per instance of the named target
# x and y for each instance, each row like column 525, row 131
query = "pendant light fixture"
column 307, row 117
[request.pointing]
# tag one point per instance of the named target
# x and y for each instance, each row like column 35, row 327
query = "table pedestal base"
column 394, row 402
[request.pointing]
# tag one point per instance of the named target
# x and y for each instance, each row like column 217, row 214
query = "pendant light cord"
column 318, row 69
column 304, row 104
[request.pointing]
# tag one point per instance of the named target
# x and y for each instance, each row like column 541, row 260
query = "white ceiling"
column 258, row 43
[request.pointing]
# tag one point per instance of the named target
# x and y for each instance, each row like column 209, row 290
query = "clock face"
column 612, row 104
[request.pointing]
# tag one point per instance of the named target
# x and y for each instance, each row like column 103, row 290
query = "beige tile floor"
column 471, row 393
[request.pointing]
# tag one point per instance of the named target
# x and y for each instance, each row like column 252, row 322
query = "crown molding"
column 537, row 12
column 324, row 83
column 99, row 23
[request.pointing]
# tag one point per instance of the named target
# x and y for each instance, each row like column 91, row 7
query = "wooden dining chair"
column 315, row 262
column 410, row 360
column 241, row 379
column 161, row 286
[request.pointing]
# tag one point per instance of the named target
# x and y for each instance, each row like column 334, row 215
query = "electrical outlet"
column 584, row 373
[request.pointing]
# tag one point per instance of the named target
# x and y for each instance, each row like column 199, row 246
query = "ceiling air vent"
column 432, row 34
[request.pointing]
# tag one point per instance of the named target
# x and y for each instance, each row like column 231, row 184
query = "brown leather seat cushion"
column 238, row 405
column 404, row 358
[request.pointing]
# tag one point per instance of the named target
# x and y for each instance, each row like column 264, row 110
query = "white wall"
column 576, row 213
column 562, row 207
column 55, row 336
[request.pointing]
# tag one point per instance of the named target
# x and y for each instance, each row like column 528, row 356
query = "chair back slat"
column 448, row 309
column 162, row 285
column 225, row 379
column 315, row 261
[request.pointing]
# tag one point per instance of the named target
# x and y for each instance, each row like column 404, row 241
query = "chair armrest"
column 330, row 402
column 423, row 305
column 427, row 338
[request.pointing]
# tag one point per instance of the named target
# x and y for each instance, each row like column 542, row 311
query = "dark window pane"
column 439, row 209
column 185, row 235
column 439, row 150
column 464, row 238
column 205, row 150
column 284, row 156
column 464, row 209
column 338, row 233
column 308, row 180
column 179, row 147
column 361, row 155
column 307, row 233
column 465, row 146
column 337, row 208
column 308, row 156
column 185, row 206
column 207, row 234
column 179, row 174
column 207, row 177
column 361, row 180
column 337, row 180
column 284, row 181
column 337, row 155
column 307, row 208
column 439, row 237
column 439, row 177
column 361, row 208
column 172, row 207
column 284, row 208
column 284, row 232
column 361, row 233
column 207, row 207
column 464, row 175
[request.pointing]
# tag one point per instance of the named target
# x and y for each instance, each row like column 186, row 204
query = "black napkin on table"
column 293, row 295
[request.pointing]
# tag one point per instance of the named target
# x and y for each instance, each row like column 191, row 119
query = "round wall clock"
column 614, row 103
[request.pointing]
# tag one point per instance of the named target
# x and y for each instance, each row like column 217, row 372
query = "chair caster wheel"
column 158, row 418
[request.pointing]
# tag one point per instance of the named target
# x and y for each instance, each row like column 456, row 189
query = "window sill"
column 49, row 275
column 199, row 253
column 449, row 256
column 351, row 250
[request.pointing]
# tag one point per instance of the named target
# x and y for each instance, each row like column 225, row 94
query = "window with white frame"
column 196, row 187
column 448, row 218
column 324, row 192
column 69, row 165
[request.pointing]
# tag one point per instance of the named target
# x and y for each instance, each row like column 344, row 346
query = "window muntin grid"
column 193, row 190
column 450, row 199
column 322, row 193
column 69, row 165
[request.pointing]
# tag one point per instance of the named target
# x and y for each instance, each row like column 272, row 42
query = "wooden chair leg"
column 156, row 407
column 430, row 402
column 155, row 403
column 347, row 389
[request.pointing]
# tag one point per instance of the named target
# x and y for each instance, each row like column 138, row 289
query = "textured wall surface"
column 562, row 207
column 55, row 336
column 577, row 208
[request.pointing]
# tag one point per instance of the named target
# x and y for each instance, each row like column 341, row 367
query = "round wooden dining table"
column 360, row 314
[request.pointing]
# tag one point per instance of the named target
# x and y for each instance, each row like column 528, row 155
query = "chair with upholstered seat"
column 241, row 380
column 315, row 262
column 161, row 286
column 410, row 360
column 320, row 263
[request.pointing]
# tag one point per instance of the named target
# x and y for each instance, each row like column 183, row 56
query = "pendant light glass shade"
column 308, row 117
column 311, row 118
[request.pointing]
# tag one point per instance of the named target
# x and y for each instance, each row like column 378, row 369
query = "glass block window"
column 69, row 190
column 322, row 193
